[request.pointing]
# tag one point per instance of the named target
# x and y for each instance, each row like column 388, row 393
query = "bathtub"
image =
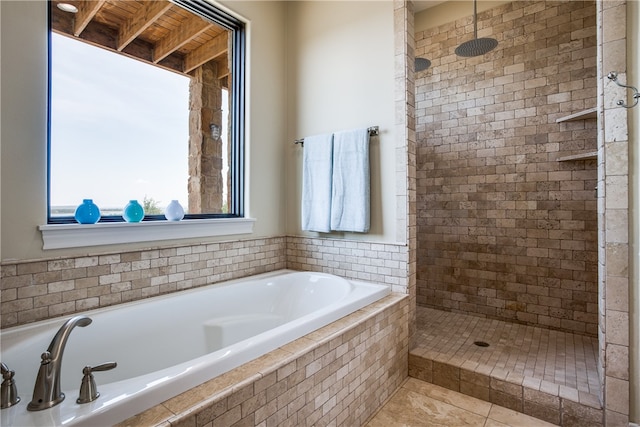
column 166, row 345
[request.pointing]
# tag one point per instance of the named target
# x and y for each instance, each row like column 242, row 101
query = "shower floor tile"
column 530, row 355
column 547, row 374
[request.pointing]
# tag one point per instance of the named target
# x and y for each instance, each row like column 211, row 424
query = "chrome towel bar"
column 373, row 131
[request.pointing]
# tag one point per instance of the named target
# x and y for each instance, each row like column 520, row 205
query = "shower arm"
column 475, row 19
column 613, row 76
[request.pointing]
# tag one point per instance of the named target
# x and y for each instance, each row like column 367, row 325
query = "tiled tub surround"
column 337, row 375
column 384, row 263
column 551, row 375
column 42, row 289
column 211, row 330
column 505, row 229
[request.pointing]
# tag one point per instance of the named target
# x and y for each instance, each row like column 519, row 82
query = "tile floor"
column 544, row 355
column 418, row 403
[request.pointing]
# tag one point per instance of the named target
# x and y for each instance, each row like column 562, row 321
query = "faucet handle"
column 8, row 391
column 88, row 389
column 45, row 358
column 104, row 367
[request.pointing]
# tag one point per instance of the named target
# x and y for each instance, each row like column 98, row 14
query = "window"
column 146, row 103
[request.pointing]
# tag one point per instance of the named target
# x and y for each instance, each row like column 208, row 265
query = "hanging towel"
column 350, row 193
column 316, row 183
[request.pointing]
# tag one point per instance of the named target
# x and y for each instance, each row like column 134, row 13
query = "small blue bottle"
column 87, row 212
column 133, row 212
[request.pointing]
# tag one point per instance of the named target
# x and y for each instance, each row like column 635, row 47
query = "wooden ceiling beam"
column 105, row 37
column 140, row 21
column 108, row 37
column 223, row 69
column 187, row 31
column 87, row 9
column 205, row 53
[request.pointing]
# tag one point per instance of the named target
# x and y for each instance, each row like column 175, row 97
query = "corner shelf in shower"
column 583, row 156
column 591, row 113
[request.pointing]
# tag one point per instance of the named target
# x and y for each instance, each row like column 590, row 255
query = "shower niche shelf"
column 583, row 156
column 591, row 113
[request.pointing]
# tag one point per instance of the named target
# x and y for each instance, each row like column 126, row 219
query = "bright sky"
column 119, row 128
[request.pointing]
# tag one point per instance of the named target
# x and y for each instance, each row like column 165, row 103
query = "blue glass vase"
column 87, row 213
column 133, row 212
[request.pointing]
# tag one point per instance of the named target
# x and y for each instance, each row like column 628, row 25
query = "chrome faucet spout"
column 46, row 392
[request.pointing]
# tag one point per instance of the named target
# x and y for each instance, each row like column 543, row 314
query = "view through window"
column 144, row 113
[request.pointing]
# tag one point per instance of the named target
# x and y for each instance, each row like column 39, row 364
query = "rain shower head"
column 477, row 46
column 422, row 64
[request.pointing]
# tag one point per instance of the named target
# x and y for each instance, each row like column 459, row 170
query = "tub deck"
column 342, row 372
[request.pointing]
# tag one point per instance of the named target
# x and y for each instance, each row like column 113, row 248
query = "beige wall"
column 322, row 37
column 23, row 143
column 23, row 136
column 339, row 76
column 633, row 72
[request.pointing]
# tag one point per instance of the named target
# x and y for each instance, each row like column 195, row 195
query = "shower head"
column 476, row 47
column 422, row 64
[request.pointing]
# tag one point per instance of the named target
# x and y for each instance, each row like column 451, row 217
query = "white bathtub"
column 169, row 344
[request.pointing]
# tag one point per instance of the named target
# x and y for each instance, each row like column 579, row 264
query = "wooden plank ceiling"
column 156, row 32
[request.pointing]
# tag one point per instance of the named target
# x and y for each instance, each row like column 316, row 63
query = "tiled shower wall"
column 505, row 230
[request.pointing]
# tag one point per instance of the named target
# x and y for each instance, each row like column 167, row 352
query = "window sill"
column 58, row 236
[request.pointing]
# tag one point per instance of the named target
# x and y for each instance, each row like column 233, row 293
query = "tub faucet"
column 46, row 392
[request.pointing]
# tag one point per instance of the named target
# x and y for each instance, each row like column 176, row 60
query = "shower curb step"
column 557, row 404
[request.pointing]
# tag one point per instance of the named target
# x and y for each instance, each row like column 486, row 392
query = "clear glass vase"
column 174, row 211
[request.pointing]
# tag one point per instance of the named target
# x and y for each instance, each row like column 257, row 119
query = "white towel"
column 351, row 188
column 316, row 183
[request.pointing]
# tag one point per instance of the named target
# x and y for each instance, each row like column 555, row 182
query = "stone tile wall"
column 505, row 230
column 405, row 128
column 43, row 289
column 384, row 263
column 613, row 211
column 338, row 375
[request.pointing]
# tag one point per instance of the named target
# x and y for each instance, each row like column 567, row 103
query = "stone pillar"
column 613, row 213
column 406, row 231
column 205, row 153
